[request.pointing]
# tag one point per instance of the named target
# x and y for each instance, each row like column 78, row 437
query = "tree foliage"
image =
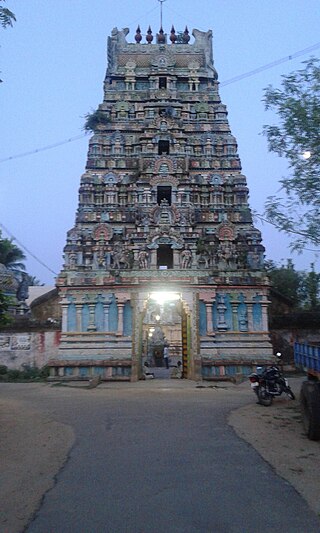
column 6, row 16
column 95, row 119
column 302, row 288
column 310, row 287
column 33, row 281
column 285, row 280
column 11, row 256
column 4, row 308
column 296, row 137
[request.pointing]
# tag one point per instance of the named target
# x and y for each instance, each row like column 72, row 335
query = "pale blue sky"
column 53, row 63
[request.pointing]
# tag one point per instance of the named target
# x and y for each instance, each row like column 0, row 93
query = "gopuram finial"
column 149, row 37
column 173, row 36
column 138, row 35
column 185, row 36
column 161, row 38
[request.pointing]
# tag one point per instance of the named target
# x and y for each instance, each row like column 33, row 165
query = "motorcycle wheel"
column 264, row 397
column 289, row 393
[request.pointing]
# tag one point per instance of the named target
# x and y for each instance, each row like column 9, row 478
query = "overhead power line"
column 27, row 250
column 43, row 148
column 270, row 65
column 222, row 84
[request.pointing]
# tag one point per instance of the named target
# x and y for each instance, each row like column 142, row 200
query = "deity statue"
column 101, row 261
column 186, row 258
column 23, row 289
column 243, row 321
column 72, row 260
column 121, row 257
column 143, row 259
column 204, row 259
column 158, row 337
column 227, row 254
column 255, row 259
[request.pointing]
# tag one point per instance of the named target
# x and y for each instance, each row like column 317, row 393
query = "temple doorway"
column 164, row 334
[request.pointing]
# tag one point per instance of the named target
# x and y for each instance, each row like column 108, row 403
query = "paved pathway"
column 160, row 457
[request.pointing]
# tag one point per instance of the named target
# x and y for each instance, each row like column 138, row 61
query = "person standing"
column 166, row 356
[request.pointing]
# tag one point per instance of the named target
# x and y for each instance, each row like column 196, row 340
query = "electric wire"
column 44, row 148
column 270, row 65
column 144, row 15
column 26, row 249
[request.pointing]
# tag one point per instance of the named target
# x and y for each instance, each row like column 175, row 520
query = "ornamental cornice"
column 156, row 180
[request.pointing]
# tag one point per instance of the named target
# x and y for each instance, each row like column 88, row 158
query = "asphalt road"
column 152, row 458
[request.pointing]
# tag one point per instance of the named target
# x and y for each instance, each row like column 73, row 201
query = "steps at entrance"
column 161, row 373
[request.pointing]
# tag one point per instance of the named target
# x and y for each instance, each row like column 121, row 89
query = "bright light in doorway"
column 164, row 296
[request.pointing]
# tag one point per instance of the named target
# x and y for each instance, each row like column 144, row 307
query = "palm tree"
column 33, row 281
column 11, row 256
column 6, row 17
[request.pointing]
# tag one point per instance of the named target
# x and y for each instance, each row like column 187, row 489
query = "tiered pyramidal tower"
column 163, row 251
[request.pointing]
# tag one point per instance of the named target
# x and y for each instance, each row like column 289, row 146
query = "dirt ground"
column 276, row 432
column 34, row 447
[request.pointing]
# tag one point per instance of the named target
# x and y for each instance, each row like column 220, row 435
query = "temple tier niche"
column 163, row 251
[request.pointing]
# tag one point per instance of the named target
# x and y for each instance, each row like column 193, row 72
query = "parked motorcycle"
column 268, row 382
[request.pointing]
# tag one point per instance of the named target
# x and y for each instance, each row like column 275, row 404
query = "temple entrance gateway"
column 163, row 330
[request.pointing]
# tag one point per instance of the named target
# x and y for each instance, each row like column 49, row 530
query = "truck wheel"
column 310, row 409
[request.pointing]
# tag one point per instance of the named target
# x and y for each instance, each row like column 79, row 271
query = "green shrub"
column 3, row 370
column 29, row 373
column 94, row 119
column 13, row 375
column 44, row 372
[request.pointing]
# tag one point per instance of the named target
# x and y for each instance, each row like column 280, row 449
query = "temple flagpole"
column 161, row 2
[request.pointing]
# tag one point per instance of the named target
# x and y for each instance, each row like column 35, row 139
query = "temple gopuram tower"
column 163, row 251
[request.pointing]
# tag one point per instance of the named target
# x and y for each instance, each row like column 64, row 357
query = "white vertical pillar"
column 78, row 316
column 120, row 318
column 264, row 309
column 250, row 317
column 209, row 318
column 106, row 316
column 64, row 317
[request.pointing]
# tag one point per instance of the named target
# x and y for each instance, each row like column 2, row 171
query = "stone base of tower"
column 110, row 331
column 233, row 354
column 85, row 355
